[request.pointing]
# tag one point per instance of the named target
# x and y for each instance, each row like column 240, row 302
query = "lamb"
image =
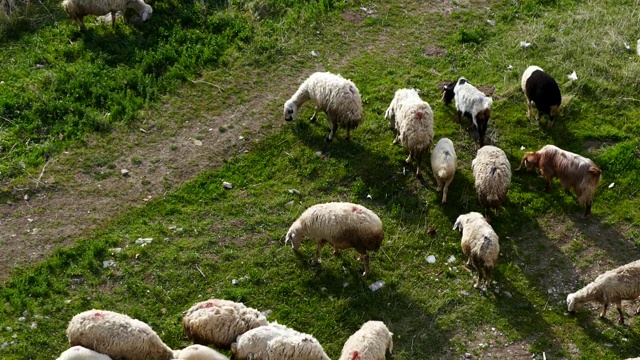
column 443, row 164
column 220, row 322
column 492, row 173
column 622, row 283
column 479, row 243
column 338, row 97
column 371, row 342
column 341, row 224
column 277, row 342
column 574, row 171
column 78, row 9
column 413, row 119
column 471, row 103
column 116, row 335
column 82, row 353
column 198, row 352
column 541, row 90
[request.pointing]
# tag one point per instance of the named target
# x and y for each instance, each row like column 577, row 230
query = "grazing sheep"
column 574, row 171
column 413, row 119
column 622, row 283
column 541, row 90
column 492, row 172
column 116, row 335
column 443, row 164
column 338, row 97
column 82, row 353
column 479, row 243
column 371, row 342
column 471, row 103
column 198, row 352
column 343, row 225
column 219, row 322
column 277, row 342
column 78, row 9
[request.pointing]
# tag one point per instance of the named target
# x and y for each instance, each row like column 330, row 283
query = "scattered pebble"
column 369, row 197
column 611, row 185
column 294, row 192
column 314, row 53
column 524, row 44
column 522, row 147
column 22, row 319
column 345, row 284
column 240, row 137
column 124, row 172
column 144, row 240
column 451, row 259
column 431, row 259
column 491, row 22
column 573, row 76
column 510, row 67
column 234, row 282
column 227, row 185
column 108, row 263
column 319, row 153
column 197, row 142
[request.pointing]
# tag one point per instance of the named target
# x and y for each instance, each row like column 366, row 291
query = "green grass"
column 547, row 248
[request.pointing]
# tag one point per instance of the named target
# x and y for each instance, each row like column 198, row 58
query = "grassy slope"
column 432, row 309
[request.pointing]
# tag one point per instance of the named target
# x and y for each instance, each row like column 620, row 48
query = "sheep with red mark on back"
column 370, row 342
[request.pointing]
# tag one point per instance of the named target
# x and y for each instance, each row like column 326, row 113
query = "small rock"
column 116, row 250
column 522, row 147
column 172, row 227
column 369, row 197
column 376, row 285
column 108, row 263
column 124, row 172
column 240, row 137
column 573, row 76
column 34, row 325
column 40, row 66
column 26, row 197
column 144, row 240
column 451, row 259
column 510, row 67
column 507, row 294
column 431, row 259
column 314, row 53
column 319, row 153
column 197, row 142
column 491, row 22
column 227, row 185
column 611, row 185
column 323, row 289
column 294, row 192
column 345, row 284
column 234, row 282
column 22, row 319
column 290, row 203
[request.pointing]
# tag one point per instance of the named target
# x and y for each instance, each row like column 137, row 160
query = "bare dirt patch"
column 353, row 17
column 434, row 51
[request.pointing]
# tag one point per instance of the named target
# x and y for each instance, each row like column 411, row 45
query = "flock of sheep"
column 106, row 335
column 345, row 225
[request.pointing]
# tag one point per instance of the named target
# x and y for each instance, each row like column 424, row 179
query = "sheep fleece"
column 492, row 173
column 413, row 120
column 82, row 353
column 371, row 342
column 198, row 352
column 116, row 335
column 277, row 342
column 219, row 322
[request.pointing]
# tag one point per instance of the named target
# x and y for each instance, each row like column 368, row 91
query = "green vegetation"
column 205, row 236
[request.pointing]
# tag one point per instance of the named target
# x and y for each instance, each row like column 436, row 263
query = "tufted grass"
column 204, row 236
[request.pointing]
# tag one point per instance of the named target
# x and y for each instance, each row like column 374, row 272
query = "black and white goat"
column 471, row 103
column 541, row 90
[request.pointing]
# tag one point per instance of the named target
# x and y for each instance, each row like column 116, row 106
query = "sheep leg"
column 619, row 307
column 348, row 133
column 528, row 109
column 318, row 249
column 418, row 158
column 587, row 209
column 604, row 310
column 80, row 21
column 459, row 116
column 408, row 160
column 113, row 19
column 548, row 186
column 444, row 192
column 487, row 277
column 365, row 260
column 314, row 117
column 479, row 281
column 334, row 128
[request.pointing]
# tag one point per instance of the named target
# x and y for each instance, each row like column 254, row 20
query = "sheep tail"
column 524, row 158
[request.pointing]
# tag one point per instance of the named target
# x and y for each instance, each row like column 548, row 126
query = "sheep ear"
column 457, row 225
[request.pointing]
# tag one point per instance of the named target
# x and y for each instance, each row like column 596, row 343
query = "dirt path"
column 70, row 201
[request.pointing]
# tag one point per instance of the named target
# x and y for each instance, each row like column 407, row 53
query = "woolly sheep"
column 574, row 171
column 338, row 97
column 371, row 342
column 479, row 243
column 277, row 342
column 622, row 283
column 219, row 322
column 413, row 119
column 541, row 90
column 198, row 352
column 443, row 164
column 82, row 353
column 341, row 224
column 492, row 174
column 78, row 9
column 471, row 103
column 116, row 335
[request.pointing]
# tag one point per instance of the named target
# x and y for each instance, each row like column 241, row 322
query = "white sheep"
column 277, row 342
column 338, row 97
column 371, row 342
column 82, row 353
column 479, row 243
column 219, row 322
column 341, row 224
column 198, row 352
column 413, row 119
column 443, row 164
column 116, row 335
column 622, row 283
column 471, row 103
column 78, row 9
column 492, row 173
column 541, row 90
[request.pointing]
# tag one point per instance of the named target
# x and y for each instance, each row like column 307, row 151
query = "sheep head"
column 290, row 110
column 448, row 94
column 295, row 237
column 530, row 160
